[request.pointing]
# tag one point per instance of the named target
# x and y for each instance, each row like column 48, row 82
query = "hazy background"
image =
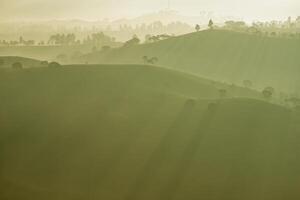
column 113, row 9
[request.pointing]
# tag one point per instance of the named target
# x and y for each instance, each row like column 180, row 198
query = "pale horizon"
column 94, row 10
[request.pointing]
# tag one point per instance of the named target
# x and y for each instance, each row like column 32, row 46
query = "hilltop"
column 221, row 55
column 138, row 132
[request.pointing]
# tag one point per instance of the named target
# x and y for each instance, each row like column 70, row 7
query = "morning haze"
column 149, row 100
column 97, row 9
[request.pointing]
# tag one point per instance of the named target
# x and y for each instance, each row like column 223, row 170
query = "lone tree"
column 153, row 60
column 134, row 41
column 222, row 93
column 211, row 24
column 268, row 93
column 54, row 65
column 17, row 65
column 271, row 89
column 44, row 63
column 197, row 27
column 145, row 59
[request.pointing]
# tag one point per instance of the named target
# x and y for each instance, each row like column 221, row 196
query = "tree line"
column 289, row 28
column 95, row 39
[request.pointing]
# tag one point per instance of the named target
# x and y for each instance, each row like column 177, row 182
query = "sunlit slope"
column 222, row 55
column 7, row 61
column 139, row 133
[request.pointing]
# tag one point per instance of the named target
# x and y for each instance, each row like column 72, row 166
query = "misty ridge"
column 163, row 22
column 161, row 106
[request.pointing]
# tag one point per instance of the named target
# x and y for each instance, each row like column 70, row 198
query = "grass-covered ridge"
column 138, row 132
column 222, row 55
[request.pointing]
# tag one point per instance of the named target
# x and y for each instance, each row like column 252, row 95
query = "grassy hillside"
column 139, row 133
column 7, row 61
column 44, row 52
column 221, row 55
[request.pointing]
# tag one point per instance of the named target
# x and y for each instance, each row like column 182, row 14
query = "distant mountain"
column 170, row 16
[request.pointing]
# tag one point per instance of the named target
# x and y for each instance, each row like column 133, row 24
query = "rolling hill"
column 7, row 61
column 141, row 132
column 221, row 55
column 44, row 52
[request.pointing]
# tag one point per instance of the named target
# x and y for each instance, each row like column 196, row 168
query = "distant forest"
column 40, row 35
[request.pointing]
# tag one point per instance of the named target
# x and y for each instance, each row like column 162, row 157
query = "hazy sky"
column 99, row 9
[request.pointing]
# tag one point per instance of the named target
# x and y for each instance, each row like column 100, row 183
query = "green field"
column 221, row 55
column 136, row 132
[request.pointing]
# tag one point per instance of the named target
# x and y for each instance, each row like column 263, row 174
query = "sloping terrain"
column 221, row 55
column 44, row 52
column 7, row 61
column 141, row 132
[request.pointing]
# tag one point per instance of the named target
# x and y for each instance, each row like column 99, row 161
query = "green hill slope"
column 51, row 53
column 44, row 52
column 139, row 133
column 7, row 61
column 221, row 55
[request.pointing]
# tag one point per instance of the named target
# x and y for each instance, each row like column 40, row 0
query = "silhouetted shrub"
column 54, row 65
column 211, row 24
column 151, row 61
column 44, row 63
column 145, row 59
column 197, row 27
column 222, row 93
column 271, row 89
column 268, row 93
column 134, row 41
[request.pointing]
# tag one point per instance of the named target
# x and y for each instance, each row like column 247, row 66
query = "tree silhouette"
column 134, row 41
column 54, row 65
column 268, row 93
column 153, row 60
column 145, row 59
column 271, row 89
column 211, row 24
column 148, row 60
column 44, row 63
column 197, row 27
column 222, row 93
